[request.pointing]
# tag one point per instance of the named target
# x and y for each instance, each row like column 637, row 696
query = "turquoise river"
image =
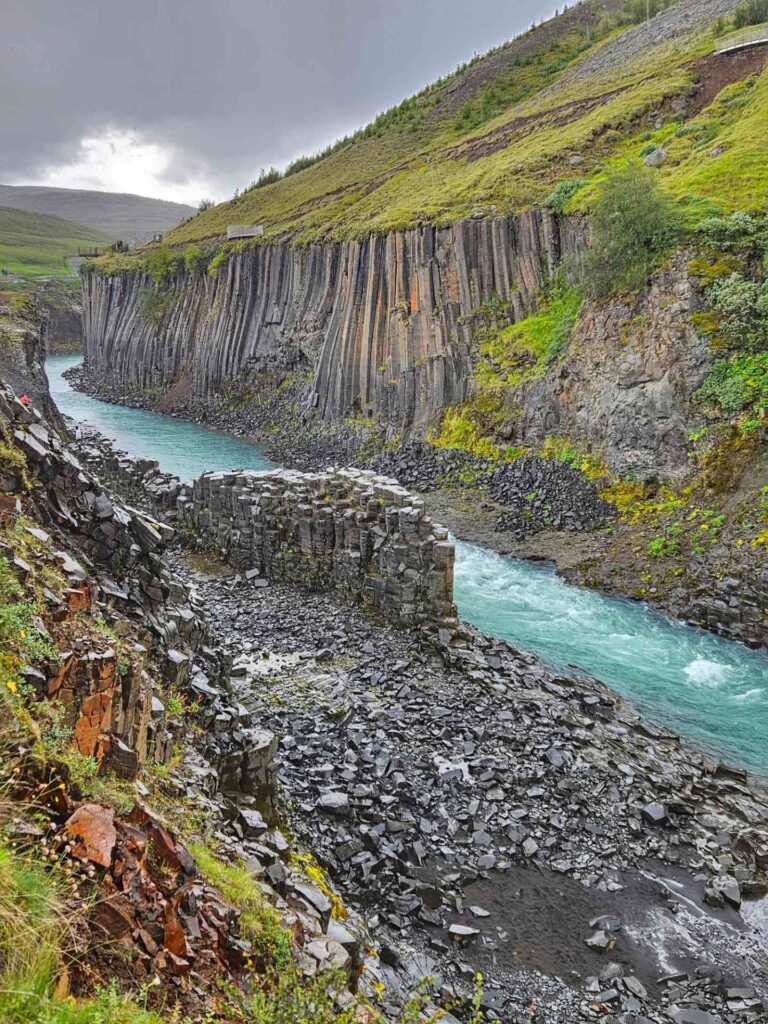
column 713, row 691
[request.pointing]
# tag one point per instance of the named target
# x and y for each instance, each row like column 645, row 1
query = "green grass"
column 737, row 179
column 738, row 383
column 441, row 156
column 436, row 186
column 270, row 942
column 35, row 922
column 35, row 245
column 508, row 358
column 524, row 350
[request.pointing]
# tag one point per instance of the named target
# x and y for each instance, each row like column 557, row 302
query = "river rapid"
column 711, row 690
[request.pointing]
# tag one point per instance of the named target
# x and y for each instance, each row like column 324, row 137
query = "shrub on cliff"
column 754, row 12
column 633, row 225
column 563, row 193
column 737, row 384
column 733, row 270
column 741, row 307
column 162, row 264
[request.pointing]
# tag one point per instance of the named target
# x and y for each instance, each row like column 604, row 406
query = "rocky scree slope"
column 460, row 792
column 118, row 734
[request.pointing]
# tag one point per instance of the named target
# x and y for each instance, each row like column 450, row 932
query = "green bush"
column 742, row 308
column 661, row 547
column 738, row 383
column 737, row 302
column 563, row 193
column 195, row 260
column 155, row 303
column 753, row 12
column 162, row 264
column 265, row 178
column 740, row 233
column 633, row 224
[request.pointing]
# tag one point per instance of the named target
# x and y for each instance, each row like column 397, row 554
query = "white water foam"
column 754, row 696
column 703, row 672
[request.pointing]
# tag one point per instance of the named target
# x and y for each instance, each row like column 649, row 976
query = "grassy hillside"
column 561, row 102
column 34, row 245
column 111, row 214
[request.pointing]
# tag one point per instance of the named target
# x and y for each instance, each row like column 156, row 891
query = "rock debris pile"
column 478, row 807
column 346, row 529
column 530, row 494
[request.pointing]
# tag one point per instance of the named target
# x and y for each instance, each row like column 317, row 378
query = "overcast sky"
column 188, row 98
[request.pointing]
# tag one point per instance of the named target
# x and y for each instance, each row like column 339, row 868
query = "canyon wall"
column 381, row 328
column 626, row 379
column 152, row 640
column 292, row 343
column 23, row 336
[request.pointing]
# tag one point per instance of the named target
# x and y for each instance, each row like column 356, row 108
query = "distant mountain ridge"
column 112, row 214
column 37, row 244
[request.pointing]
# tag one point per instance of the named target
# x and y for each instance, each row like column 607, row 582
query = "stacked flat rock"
column 349, row 530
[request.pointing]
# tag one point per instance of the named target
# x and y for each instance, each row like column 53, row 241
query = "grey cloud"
column 229, row 87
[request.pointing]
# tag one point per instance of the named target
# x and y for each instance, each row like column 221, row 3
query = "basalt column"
column 382, row 326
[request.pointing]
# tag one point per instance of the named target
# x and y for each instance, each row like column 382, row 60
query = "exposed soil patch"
column 718, row 70
column 177, row 394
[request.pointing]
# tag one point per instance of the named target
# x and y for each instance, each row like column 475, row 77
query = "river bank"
column 712, row 573
column 711, row 690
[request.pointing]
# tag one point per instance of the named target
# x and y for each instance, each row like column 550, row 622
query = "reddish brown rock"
column 173, row 934
column 113, row 918
column 167, row 852
column 93, row 829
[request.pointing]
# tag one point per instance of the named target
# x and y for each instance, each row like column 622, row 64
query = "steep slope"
column 22, row 349
column 496, row 136
column 130, row 891
column 110, row 214
column 34, row 245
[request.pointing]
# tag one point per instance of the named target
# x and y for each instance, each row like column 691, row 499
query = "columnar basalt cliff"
column 348, row 529
column 381, row 327
column 389, row 330
column 345, row 530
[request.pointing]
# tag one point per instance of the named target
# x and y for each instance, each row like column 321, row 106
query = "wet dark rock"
column 599, row 940
column 252, row 822
column 655, row 813
column 723, row 889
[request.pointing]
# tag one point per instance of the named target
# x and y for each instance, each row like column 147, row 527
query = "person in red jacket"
column 24, row 399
